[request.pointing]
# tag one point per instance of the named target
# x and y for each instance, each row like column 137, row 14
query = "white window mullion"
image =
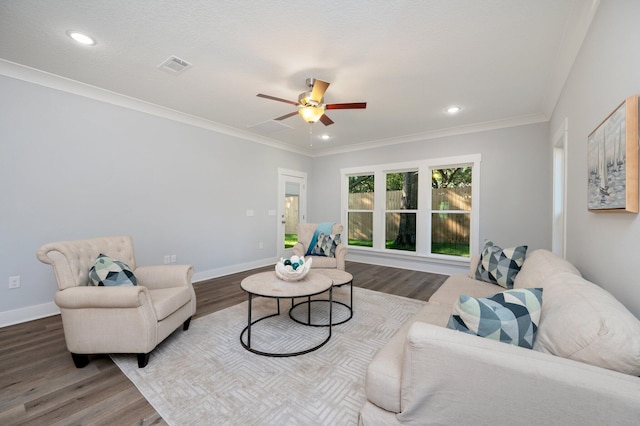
column 423, row 221
column 380, row 204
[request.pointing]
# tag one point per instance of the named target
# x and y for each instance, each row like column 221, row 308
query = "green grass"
column 290, row 240
column 360, row 243
column 449, row 249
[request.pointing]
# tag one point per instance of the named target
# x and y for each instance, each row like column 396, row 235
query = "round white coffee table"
column 267, row 284
column 339, row 278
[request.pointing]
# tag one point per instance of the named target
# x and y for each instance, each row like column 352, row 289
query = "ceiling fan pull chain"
column 310, row 135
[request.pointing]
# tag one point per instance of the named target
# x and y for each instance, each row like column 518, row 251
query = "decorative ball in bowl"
column 293, row 269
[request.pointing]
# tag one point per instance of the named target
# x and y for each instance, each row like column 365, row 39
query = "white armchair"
column 305, row 233
column 133, row 319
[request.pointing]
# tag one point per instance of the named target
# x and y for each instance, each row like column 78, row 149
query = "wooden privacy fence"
column 445, row 227
column 291, row 215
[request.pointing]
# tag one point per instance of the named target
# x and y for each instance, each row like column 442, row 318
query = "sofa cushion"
column 457, row 284
column 583, row 322
column 326, row 245
column 538, row 266
column 109, row 272
column 500, row 266
column 511, row 316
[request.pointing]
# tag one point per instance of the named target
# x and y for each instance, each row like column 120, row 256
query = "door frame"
column 284, row 176
column 559, row 144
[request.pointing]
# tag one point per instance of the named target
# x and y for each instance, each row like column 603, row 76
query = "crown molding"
column 53, row 81
column 441, row 133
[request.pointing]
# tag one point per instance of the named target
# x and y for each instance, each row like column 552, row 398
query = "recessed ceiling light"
column 453, row 109
column 81, row 38
column 325, row 137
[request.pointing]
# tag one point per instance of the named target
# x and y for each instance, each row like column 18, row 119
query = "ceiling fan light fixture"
column 310, row 113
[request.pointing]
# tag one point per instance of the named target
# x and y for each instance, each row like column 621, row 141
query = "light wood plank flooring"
column 39, row 385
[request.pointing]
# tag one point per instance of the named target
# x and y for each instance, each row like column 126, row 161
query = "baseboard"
column 29, row 313
column 232, row 269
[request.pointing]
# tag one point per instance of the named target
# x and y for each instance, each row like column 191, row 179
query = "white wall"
column 72, row 167
column 604, row 246
column 515, row 182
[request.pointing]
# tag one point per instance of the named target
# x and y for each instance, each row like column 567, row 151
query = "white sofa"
column 582, row 370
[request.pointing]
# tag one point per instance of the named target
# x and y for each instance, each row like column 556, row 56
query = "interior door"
column 292, row 207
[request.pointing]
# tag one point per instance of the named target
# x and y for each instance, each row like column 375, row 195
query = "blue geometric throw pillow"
column 510, row 317
column 326, row 245
column 500, row 266
column 108, row 272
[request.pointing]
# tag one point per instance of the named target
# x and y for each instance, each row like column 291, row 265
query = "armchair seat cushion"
column 168, row 300
column 324, row 262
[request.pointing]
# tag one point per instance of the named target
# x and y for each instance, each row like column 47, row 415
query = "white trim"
column 440, row 133
column 560, row 148
column 432, row 264
column 294, row 176
column 43, row 78
column 28, row 313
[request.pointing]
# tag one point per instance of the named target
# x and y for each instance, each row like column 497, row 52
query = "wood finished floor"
column 39, row 385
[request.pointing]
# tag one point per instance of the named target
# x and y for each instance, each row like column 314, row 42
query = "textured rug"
column 205, row 376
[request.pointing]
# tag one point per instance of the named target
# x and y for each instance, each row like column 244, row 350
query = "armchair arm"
column 164, row 276
column 85, row 297
column 450, row 377
column 341, row 255
column 299, row 250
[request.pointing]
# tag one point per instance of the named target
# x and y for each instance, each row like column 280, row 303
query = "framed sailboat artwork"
column 612, row 150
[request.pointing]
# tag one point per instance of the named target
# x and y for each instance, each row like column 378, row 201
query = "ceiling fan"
column 311, row 106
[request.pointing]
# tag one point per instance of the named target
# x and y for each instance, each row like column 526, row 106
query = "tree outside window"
column 401, row 210
column 451, row 198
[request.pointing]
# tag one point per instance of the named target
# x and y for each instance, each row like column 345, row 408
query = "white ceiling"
column 502, row 61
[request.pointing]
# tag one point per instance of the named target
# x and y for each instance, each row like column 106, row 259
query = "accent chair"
column 305, row 233
column 117, row 319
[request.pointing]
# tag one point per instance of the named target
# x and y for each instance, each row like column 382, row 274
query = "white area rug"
column 204, row 376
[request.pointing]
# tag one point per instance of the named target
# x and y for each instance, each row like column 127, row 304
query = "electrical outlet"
column 167, row 259
column 14, row 282
column 173, row 258
column 260, row 245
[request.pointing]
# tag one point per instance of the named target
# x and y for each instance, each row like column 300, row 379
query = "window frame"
column 424, row 211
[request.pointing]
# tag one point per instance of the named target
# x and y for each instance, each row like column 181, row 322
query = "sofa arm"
column 86, row 297
column 299, row 250
column 450, row 377
column 164, row 276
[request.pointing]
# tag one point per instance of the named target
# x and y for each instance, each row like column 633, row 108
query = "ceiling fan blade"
column 351, row 105
column 319, row 87
column 291, row 114
column 326, row 120
column 273, row 98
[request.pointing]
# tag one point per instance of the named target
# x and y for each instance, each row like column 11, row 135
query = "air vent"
column 174, row 65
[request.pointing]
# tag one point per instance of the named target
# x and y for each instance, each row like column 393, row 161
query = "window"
column 425, row 208
column 360, row 210
column 401, row 210
column 451, row 198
